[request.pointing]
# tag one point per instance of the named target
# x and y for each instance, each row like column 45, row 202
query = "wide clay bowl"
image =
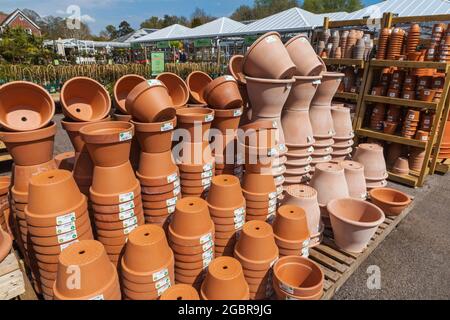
column 123, row 87
column 25, row 106
column 178, row 90
column 235, row 67
column 84, row 99
column 197, row 82
column 391, row 201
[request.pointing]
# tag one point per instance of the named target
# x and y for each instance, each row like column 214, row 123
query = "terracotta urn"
column 327, row 88
column 25, row 106
column 84, row 99
column 290, row 228
column 197, row 82
column 155, row 137
column 356, row 182
column 178, row 89
column 122, row 88
column 329, row 181
column 304, row 57
column 391, row 201
column 235, row 67
column 295, row 135
column 354, row 222
column 342, row 122
column 196, row 122
column 370, row 155
column 180, row 292
column 302, row 93
column 322, row 121
column 149, row 101
column 223, row 93
column 268, row 58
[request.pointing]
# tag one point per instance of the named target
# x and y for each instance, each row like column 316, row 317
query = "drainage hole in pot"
column 225, row 267
column 24, row 119
column 82, row 252
column 78, row 110
column 191, row 204
column 147, row 234
column 292, row 211
column 179, row 298
column 257, row 228
column 51, row 177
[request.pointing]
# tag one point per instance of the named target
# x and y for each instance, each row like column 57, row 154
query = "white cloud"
column 87, row 19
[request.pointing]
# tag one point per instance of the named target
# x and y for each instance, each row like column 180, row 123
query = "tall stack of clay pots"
column 343, row 139
column 191, row 237
column 54, row 223
column 147, row 265
column 395, row 47
column 257, row 251
column 5, row 244
column 5, row 184
column 226, row 205
column 371, row 156
column 115, row 193
column 97, row 276
column 28, row 134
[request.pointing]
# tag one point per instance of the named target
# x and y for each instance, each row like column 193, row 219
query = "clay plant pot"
column 342, row 122
column 227, row 121
column 391, row 201
column 354, row 222
column 268, row 58
column 268, row 96
column 155, row 137
column 290, row 227
column 401, row 166
column 223, row 93
column 225, row 192
column 98, row 276
column 84, row 99
column 356, row 182
column 108, row 143
column 304, row 57
column 322, row 121
column 302, row 93
column 5, row 244
column 325, row 92
column 122, row 89
column 196, row 121
column 258, row 187
column 30, row 148
column 296, row 135
column 370, row 155
column 65, row 160
column 25, row 106
column 225, row 281
column 180, row 292
column 330, row 183
column 157, row 169
column 235, row 67
column 178, row 90
column 197, row 82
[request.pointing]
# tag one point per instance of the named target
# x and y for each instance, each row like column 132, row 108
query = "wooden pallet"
column 443, row 166
column 4, row 155
column 12, row 279
column 338, row 265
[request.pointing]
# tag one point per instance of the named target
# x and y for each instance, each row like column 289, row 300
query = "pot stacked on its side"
column 147, row 265
column 343, row 139
column 371, row 156
column 57, row 217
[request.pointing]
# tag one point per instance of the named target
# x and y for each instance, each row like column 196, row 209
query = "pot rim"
column 216, row 83
column 29, row 136
column 276, row 81
column 372, row 224
column 298, row 260
column 189, row 87
column 185, row 115
column 234, row 113
column 154, row 126
column 373, row 195
column 124, row 110
column 249, row 51
column 230, row 63
column 179, row 79
column 89, row 135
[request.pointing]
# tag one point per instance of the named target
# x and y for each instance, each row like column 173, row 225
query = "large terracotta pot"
column 235, row 67
column 329, row 181
column 156, row 168
column 73, row 131
column 321, row 121
column 325, row 92
column 155, row 137
column 225, row 193
column 391, row 201
column 304, row 57
column 356, row 182
column 354, row 222
column 268, row 58
column 122, row 88
column 84, row 99
column 196, row 121
column 302, row 93
column 197, row 82
column 290, row 228
column 295, row 134
column 371, row 156
column 180, row 292
column 178, row 90
column 223, row 93
column 25, row 106
column 342, row 122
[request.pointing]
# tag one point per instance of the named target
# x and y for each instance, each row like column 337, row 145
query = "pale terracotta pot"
column 392, row 202
column 223, row 93
column 304, row 57
column 327, row 89
column 401, row 166
column 180, row 292
column 372, row 158
column 178, row 89
column 394, row 151
column 342, row 122
column 356, row 182
column 122, row 88
column 226, row 120
column 330, row 183
column 322, row 121
column 302, row 93
column 235, row 67
column 296, row 135
column 197, row 82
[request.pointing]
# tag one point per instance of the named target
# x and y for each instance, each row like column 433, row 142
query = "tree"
column 199, row 17
column 109, row 33
column 264, row 8
column 326, row 6
column 152, row 23
column 243, row 13
column 124, row 29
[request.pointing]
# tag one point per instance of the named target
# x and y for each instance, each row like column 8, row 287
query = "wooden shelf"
column 408, row 179
column 410, row 64
column 344, row 62
column 346, row 95
column 391, row 138
column 401, row 102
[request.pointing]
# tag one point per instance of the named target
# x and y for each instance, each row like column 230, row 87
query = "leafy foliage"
column 325, row 6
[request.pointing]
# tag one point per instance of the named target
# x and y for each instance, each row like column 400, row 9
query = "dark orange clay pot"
column 391, row 201
column 73, row 131
column 25, row 106
column 180, row 292
column 225, row 192
column 155, row 137
column 197, row 82
column 122, row 88
column 223, row 93
column 178, row 90
column 196, row 121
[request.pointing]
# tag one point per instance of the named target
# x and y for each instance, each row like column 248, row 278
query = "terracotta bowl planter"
column 391, row 201
column 123, row 87
column 235, row 67
column 322, row 121
column 84, row 99
column 223, row 93
column 197, row 82
column 180, row 292
column 327, row 89
column 290, row 226
column 372, row 158
column 302, row 93
column 30, row 148
column 329, row 181
column 268, row 58
column 225, row 281
column 155, row 137
column 354, row 222
column 304, row 56
column 356, row 182
column 190, row 119
column 178, row 90
column 25, row 106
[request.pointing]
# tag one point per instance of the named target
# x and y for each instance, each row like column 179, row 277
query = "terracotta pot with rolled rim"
column 295, row 134
column 197, row 82
column 225, row 192
column 84, row 99
column 123, row 87
column 235, row 67
column 196, row 121
column 177, row 88
column 65, row 160
column 304, row 57
column 108, row 143
column 391, row 201
column 268, row 96
column 329, row 181
column 180, row 292
column 154, row 168
column 327, row 88
column 98, row 276
column 30, row 148
column 290, row 227
column 258, row 187
column 321, row 121
column 155, row 137
column 223, row 93
column 227, row 120
column 268, row 58
column 354, row 222
column 302, row 93
column 25, row 106
column 342, row 122
column 225, row 281
column 356, row 182
column 370, row 155
column 194, row 157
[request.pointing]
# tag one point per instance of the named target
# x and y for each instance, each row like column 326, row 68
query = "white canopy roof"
column 172, row 32
column 215, row 28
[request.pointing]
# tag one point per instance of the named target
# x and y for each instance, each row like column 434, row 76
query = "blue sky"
column 99, row 13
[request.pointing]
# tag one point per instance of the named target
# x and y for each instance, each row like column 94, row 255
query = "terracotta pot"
column 356, row 182
column 225, row 281
column 268, row 96
column 330, row 183
column 354, row 222
column 177, row 88
column 84, row 99
column 225, row 192
column 223, row 93
column 155, row 137
column 30, row 148
column 5, row 244
column 235, row 67
column 372, row 158
column 394, row 150
column 258, row 187
column 327, row 89
column 401, row 166
column 304, row 56
column 98, row 276
column 25, row 106
column 296, row 135
column 65, row 160
column 180, row 292
column 391, row 201
column 73, row 131
column 123, row 87
column 197, row 82
column 322, row 121
column 290, row 227
column 302, row 93
column 197, row 121
column 157, row 169
column 268, row 58
column 227, row 120
column 342, row 122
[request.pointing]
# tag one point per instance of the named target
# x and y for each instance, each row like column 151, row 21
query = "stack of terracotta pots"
column 180, row 292
column 191, row 237
column 97, row 277
column 413, row 38
column 371, row 156
column 343, row 140
column 5, row 184
column 410, row 125
column 226, row 205
column 115, row 193
column 28, row 134
column 401, row 166
column 383, row 43
column 5, row 244
column 65, row 160
column 437, row 37
column 257, row 251
column 444, row 151
column 54, row 223
column 236, row 69
column 147, row 265
column 396, row 41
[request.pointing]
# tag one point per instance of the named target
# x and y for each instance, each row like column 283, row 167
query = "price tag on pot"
column 238, row 219
column 270, row 218
column 69, row 217
column 126, row 206
column 125, row 197
column 206, row 238
column 306, row 243
column 209, row 117
column 305, row 252
column 98, row 297
column 286, row 288
column 279, row 179
column 163, row 289
column 154, row 82
column 172, row 202
column 129, row 229
column 272, row 209
column 239, row 212
column 237, row 112
column 176, row 191
column 129, row 222
column 125, row 136
column 272, row 39
column 316, row 82
column 208, row 167
column 65, row 227
column 167, row 126
column 68, row 244
column 171, row 209
column 206, row 182
column 176, row 183
column 207, row 174
column 207, row 246
column 160, row 274
column 289, row 298
column 66, row 237
column 172, row 178
column 229, row 78
column 207, row 262
column 162, row 283
column 279, row 190
column 126, row 214
column 273, row 202
column 209, row 254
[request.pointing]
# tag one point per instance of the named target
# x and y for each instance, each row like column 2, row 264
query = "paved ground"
column 414, row 259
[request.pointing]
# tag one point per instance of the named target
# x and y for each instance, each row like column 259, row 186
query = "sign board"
column 157, row 63
column 163, row 44
column 202, row 43
column 135, row 45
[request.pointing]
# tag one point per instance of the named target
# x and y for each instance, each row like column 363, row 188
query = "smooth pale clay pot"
column 180, row 292
column 178, row 89
column 401, row 166
column 295, row 134
column 290, row 226
column 371, row 156
column 329, row 181
column 302, row 93
column 155, row 137
column 354, row 222
column 391, row 201
column 235, row 67
column 356, row 182
column 342, row 122
column 84, row 99
column 321, row 121
column 25, row 106
column 327, row 89
column 304, row 57
column 197, row 82
column 122, row 88
column 223, row 93
column 268, row 58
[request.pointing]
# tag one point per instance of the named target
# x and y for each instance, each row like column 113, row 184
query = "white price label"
column 126, row 214
column 162, row 283
column 286, row 288
column 229, row 78
column 98, row 297
column 68, row 244
column 126, row 206
column 207, row 174
column 154, row 82
column 65, row 227
column 171, row 210
column 240, row 211
column 172, row 178
column 172, row 202
column 163, row 289
column 163, row 273
column 167, row 126
column 272, row 195
column 207, row 246
column 206, row 238
column 237, row 113
column 208, row 167
column 129, row 229
column 209, row 117
column 69, row 217
column 125, row 197
column 125, row 136
column 66, row 237
column 130, row 222
column 272, row 39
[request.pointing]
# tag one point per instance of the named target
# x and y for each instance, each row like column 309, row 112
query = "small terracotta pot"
column 268, row 58
column 235, row 67
column 123, row 87
column 321, row 121
column 223, row 93
column 327, row 89
column 197, row 82
column 155, row 137
column 356, row 182
column 401, row 166
column 304, row 56
column 391, row 201
column 354, row 222
column 302, row 93
column 225, row 192
column 372, row 158
column 84, row 99
column 227, row 120
column 191, row 119
column 330, row 183
column 178, row 90
column 25, row 106
column 342, row 122
column 290, row 226
column 180, row 292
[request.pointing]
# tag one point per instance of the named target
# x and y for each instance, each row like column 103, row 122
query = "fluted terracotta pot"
column 302, row 93
column 304, row 57
column 321, row 121
column 197, row 82
column 356, row 182
column 122, row 88
column 177, row 88
column 327, row 89
column 372, row 158
column 391, row 201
